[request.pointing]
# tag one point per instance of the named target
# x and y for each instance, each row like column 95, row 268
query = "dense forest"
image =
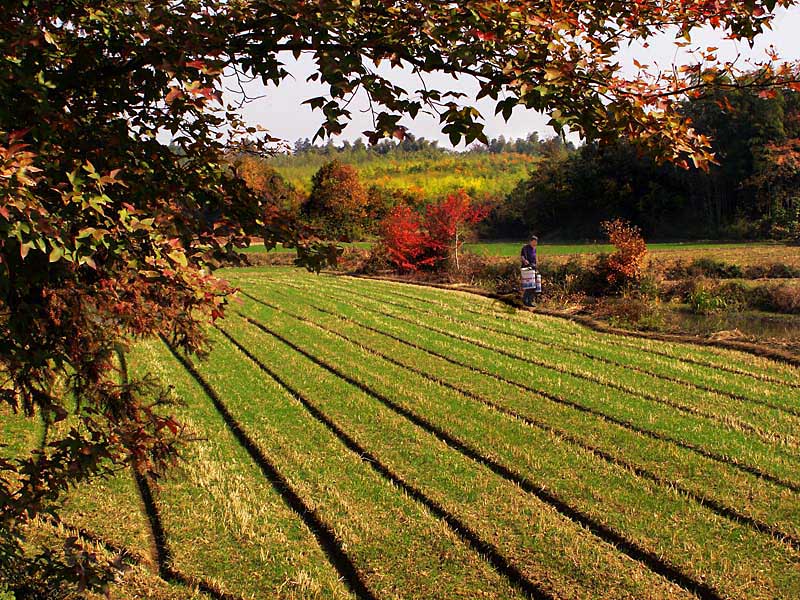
column 754, row 191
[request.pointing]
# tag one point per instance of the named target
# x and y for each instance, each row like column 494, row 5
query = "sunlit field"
column 362, row 439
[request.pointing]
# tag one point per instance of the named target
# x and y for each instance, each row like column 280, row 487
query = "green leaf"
column 178, row 257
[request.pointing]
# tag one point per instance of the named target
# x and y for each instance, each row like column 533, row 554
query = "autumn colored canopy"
column 549, row 55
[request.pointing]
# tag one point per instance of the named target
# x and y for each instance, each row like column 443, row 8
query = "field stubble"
column 370, row 440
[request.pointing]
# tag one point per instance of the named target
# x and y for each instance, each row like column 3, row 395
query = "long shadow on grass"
column 741, row 425
column 630, row 426
column 650, row 559
column 709, row 503
column 163, row 554
column 485, row 549
column 589, row 355
column 322, row 532
column 124, row 555
column 128, row 556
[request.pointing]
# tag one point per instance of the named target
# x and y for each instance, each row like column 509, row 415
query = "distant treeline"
column 753, row 193
column 531, row 144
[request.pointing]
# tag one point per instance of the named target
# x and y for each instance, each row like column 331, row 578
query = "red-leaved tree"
column 404, row 239
column 447, row 222
column 412, row 242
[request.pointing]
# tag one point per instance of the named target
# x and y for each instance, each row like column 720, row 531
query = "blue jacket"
column 528, row 255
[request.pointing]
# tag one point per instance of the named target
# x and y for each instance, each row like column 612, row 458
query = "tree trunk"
column 458, row 268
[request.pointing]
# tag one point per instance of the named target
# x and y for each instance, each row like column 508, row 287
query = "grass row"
column 223, row 520
column 739, row 493
column 397, row 547
column 775, row 461
column 91, row 511
column 607, row 494
column 688, row 354
column 774, row 411
column 558, row 557
column 783, row 394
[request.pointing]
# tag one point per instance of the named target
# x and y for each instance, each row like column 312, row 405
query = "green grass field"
column 513, row 248
column 361, row 439
column 509, row 249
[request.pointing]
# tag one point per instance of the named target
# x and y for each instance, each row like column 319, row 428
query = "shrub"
column 576, row 277
column 704, row 299
column 632, row 311
column 781, row 298
column 710, row 267
column 757, row 271
column 786, row 299
column 499, row 276
column 782, row 271
column 705, row 302
column 626, row 263
column 760, row 297
column 648, row 286
column 705, row 267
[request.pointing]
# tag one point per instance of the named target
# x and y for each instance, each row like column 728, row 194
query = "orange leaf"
column 174, row 92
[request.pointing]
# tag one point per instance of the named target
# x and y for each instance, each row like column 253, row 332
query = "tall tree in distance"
column 337, row 203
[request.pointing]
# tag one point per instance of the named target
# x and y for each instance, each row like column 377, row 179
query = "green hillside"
column 426, row 175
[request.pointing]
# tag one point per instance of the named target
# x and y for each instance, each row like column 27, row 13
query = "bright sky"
column 280, row 110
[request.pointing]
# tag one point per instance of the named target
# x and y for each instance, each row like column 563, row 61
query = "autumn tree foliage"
column 447, row 222
column 781, row 181
column 381, row 200
column 108, row 233
column 404, row 241
column 627, row 261
column 412, row 241
column 270, row 185
column 337, row 202
column 119, row 200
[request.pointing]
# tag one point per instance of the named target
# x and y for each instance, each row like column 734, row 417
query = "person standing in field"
column 529, row 261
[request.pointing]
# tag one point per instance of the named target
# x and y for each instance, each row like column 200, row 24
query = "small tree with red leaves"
column 625, row 264
column 412, row 242
column 448, row 221
column 404, row 239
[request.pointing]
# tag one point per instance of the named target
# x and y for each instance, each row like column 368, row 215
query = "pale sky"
column 283, row 115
